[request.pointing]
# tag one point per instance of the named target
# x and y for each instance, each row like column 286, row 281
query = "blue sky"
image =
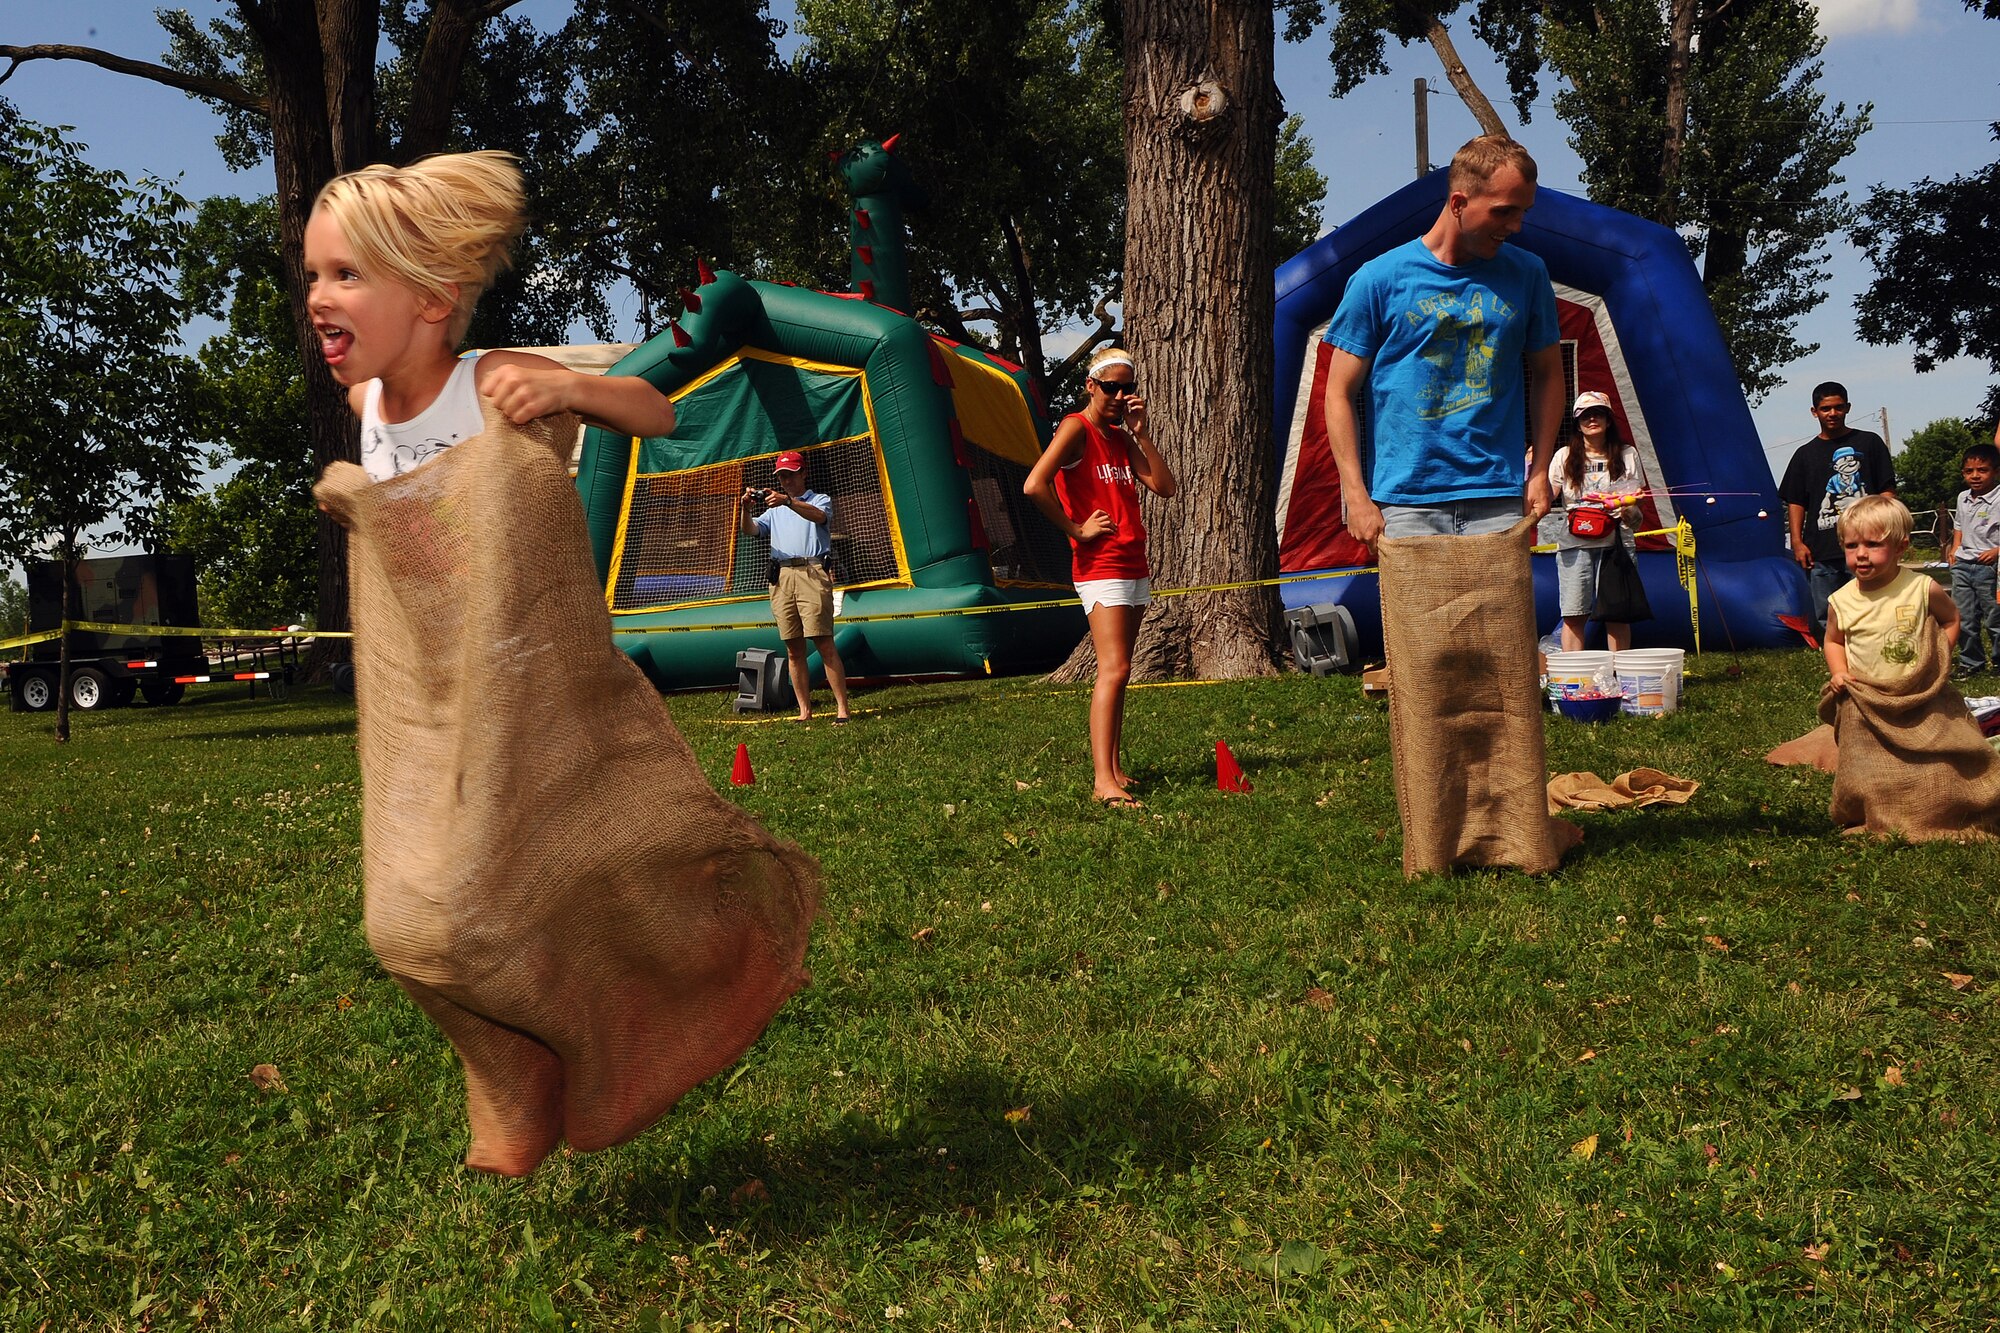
column 1931, row 69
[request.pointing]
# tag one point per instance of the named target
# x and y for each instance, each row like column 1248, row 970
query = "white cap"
column 1586, row 401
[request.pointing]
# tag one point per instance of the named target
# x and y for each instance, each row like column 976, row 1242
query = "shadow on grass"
column 1658, row 829
column 262, row 728
column 951, row 1149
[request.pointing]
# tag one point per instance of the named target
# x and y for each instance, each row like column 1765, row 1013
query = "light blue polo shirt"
column 792, row 537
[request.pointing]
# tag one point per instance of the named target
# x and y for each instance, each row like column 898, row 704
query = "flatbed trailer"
column 110, row 670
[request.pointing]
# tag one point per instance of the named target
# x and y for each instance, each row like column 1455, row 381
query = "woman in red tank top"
column 1087, row 482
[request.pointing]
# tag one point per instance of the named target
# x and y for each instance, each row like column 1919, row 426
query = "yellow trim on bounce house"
column 874, row 439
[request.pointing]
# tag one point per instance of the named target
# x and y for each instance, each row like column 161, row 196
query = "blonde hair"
column 1882, row 517
column 443, row 222
column 1476, row 161
column 1105, row 356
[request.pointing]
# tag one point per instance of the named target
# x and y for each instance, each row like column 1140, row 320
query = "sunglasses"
column 1117, row 388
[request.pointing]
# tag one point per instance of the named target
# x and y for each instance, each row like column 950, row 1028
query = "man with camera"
column 795, row 520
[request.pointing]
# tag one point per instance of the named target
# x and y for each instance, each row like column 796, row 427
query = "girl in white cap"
column 1596, row 472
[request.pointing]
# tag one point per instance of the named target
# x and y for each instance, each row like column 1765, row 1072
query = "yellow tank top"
column 1882, row 626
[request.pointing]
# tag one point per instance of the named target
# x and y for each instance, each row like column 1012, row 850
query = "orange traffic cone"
column 739, row 773
column 1228, row 773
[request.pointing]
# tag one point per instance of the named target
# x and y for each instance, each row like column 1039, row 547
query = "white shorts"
column 1114, row 592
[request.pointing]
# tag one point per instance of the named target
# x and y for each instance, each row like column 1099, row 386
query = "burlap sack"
column 547, row 872
column 1816, row 747
column 1911, row 759
column 1629, row 790
column 1465, row 709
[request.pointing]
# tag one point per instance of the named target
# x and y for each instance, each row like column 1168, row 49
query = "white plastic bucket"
column 1650, row 680
column 1575, row 673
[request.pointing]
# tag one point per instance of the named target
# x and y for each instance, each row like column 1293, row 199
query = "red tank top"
column 1102, row 479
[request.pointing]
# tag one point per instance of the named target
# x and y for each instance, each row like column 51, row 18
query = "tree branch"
column 454, row 24
column 1454, row 70
column 216, row 90
column 1107, row 327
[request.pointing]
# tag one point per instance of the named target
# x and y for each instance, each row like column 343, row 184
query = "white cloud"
column 1844, row 18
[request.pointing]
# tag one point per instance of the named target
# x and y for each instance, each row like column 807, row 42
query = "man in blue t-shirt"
column 1437, row 329
column 796, row 520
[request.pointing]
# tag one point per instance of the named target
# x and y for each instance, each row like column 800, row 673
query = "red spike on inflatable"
column 1228, row 773
column 681, row 338
column 977, row 525
column 690, row 301
column 739, row 772
column 889, row 144
column 865, row 253
column 868, row 289
column 957, row 433
column 861, row 217
column 702, row 272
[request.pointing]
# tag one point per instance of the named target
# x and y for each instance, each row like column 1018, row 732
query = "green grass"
column 1268, row 1084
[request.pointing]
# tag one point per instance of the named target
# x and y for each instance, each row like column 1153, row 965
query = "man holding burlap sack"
column 1437, row 330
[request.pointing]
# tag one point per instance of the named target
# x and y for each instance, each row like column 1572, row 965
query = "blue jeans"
column 1453, row 518
column 1972, row 588
column 1824, row 580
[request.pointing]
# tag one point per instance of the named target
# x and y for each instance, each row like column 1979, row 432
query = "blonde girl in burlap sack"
column 396, row 258
column 546, row 870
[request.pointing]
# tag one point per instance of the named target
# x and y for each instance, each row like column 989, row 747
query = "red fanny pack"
column 1589, row 521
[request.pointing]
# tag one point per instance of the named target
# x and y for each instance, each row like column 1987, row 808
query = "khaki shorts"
column 803, row 602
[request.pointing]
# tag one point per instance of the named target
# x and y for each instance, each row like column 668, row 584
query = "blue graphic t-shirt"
column 1447, row 403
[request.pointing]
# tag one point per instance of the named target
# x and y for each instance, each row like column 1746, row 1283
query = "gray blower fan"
column 1323, row 638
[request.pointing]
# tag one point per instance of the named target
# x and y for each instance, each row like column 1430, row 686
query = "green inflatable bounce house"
column 922, row 443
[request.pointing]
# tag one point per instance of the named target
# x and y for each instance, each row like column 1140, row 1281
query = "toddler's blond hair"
column 1878, row 516
column 443, row 221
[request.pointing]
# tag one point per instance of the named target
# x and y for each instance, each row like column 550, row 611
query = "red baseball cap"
column 790, row 461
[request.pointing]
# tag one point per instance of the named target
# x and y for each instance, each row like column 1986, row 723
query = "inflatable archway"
column 922, row 443
column 1636, row 324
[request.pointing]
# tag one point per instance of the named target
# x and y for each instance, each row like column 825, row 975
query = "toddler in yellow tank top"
column 1873, row 623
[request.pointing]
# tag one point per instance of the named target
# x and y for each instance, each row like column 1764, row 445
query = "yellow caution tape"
column 1683, row 536
column 200, row 631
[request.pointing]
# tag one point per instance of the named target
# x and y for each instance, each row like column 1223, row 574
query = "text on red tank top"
column 1102, row 479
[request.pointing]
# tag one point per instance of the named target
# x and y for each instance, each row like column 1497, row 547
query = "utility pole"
column 1423, row 130
column 1887, row 438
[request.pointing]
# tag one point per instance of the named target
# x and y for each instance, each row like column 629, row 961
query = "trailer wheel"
column 37, row 691
column 162, row 693
column 121, row 691
column 89, row 689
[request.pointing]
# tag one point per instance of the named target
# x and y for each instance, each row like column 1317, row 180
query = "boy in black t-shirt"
column 1825, row 476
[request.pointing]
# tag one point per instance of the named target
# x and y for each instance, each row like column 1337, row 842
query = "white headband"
column 1115, row 359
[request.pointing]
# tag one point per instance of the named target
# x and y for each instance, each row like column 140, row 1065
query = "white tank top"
column 391, row 448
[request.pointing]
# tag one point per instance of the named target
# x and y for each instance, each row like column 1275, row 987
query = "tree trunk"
column 1201, row 127
column 1028, row 318
column 1680, row 45
column 316, row 133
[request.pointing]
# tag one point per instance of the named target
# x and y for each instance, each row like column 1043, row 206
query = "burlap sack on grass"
column 547, row 871
column 1911, row 758
column 1465, row 706
column 1629, row 790
column 1816, row 747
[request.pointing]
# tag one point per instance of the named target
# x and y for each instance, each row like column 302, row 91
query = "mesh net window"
column 1024, row 547
column 681, row 544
